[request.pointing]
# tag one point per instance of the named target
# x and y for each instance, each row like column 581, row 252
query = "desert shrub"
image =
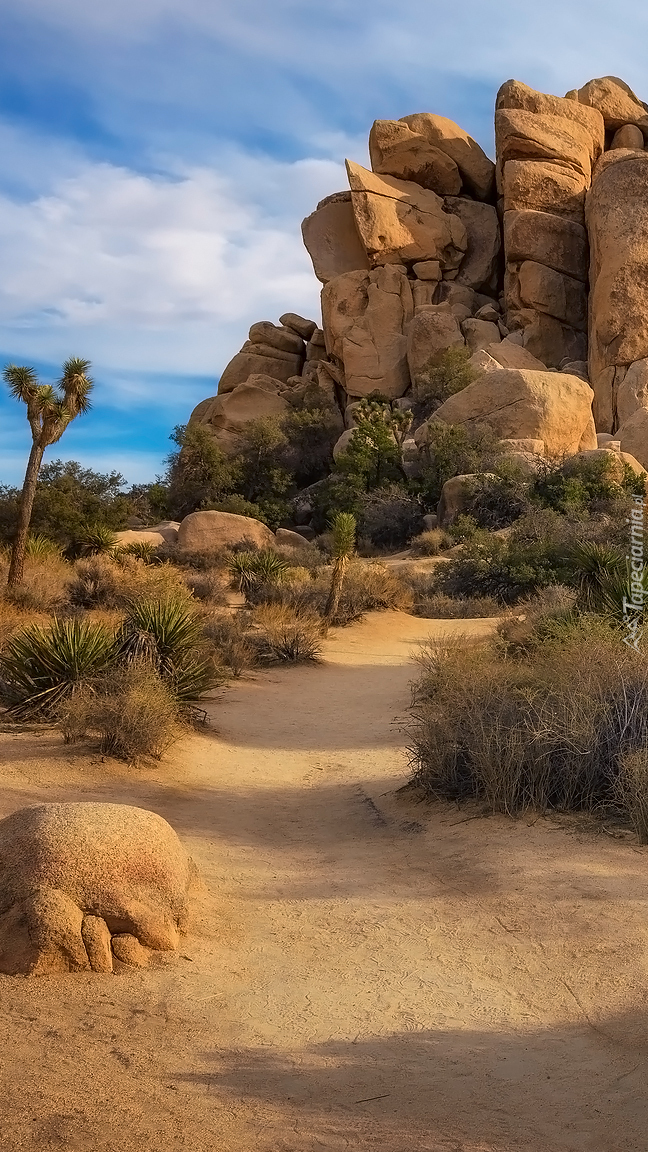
column 548, row 615
column 42, row 667
column 389, row 516
column 554, row 732
column 367, row 587
column 498, row 499
column 575, row 486
column 454, row 450
column 431, row 542
column 311, row 431
column 40, row 547
column 95, row 583
column 445, row 374
column 250, row 572
column 463, row 529
column 209, row 586
column 44, row 585
column 168, row 636
column 281, row 635
column 106, row 582
column 237, row 505
column 433, row 605
column 95, row 540
column 506, row 569
column 228, row 635
column 129, row 710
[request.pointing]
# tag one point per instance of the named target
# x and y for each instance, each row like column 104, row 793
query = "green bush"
column 67, row 497
column 575, row 486
column 251, row 571
column 445, row 374
column 40, row 668
column 168, row 636
column 453, row 450
column 389, row 516
column 506, row 569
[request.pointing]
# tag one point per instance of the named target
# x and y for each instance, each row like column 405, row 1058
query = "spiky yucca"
column 168, row 636
column 143, row 550
column 49, row 411
column 250, row 569
column 40, row 547
column 41, row 667
column 96, row 540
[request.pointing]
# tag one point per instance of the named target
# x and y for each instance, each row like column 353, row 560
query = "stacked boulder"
column 534, row 264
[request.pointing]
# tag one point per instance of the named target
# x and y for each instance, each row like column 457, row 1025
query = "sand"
column 364, row 972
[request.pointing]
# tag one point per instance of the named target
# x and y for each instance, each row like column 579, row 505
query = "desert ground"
column 363, row 971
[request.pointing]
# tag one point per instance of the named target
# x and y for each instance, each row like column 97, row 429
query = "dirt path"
column 364, row 973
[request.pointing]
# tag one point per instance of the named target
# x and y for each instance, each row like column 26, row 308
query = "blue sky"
column 158, row 156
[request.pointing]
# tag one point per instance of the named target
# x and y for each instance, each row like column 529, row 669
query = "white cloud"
column 158, row 273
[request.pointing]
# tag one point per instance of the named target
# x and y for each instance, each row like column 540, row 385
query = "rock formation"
column 535, row 264
column 84, row 884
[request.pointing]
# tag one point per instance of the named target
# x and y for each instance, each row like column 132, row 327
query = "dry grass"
column 432, row 542
column 227, row 633
column 104, row 582
column 129, row 711
column 281, row 635
column 566, row 730
column 209, row 585
column 44, row 587
column 367, row 587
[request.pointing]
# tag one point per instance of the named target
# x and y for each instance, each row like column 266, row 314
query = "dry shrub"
column 367, row 587
column 209, row 585
column 104, row 582
column 227, row 633
column 632, row 790
column 561, row 731
column 44, row 586
column 432, row 542
column 281, row 635
column 433, row 605
column 129, row 710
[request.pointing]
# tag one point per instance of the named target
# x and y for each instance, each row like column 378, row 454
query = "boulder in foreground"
column 74, row 878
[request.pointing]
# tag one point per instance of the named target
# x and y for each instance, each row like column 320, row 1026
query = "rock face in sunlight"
column 535, row 263
column 83, row 885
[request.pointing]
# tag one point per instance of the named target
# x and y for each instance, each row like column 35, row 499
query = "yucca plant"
column 41, row 667
column 96, row 540
column 603, row 577
column 168, row 636
column 143, row 550
column 343, row 528
column 40, row 547
column 49, row 411
column 251, row 569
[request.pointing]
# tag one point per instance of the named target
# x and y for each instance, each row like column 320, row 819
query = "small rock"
column 303, row 328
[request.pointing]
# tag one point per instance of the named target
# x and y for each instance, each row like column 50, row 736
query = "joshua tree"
column 49, row 411
column 344, row 530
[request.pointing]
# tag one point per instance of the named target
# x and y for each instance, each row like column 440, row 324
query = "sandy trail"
column 363, row 973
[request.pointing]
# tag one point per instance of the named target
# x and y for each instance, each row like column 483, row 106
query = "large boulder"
column 81, row 884
column 617, row 219
column 632, row 392
column 396, row 150
column 259, row 360
column 546, row 186
column 522, row 135
column 229, row 412
column 480, row 266
column 519, row 404
column 510, row 354
column 615, row 101
column 366, row 316
column 544, row 290
column 433, row 330
column 398, row 221
column 633, row 435
column 477, row 171
column 455, row 497
column 547, row 239
column 331, row 238
column 211, row 531
column 514, row 94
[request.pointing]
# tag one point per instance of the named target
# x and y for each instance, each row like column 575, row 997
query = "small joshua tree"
column 344, row 530
column 49, row 411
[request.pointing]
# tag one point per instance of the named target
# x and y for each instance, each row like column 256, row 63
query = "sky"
column 157, row 158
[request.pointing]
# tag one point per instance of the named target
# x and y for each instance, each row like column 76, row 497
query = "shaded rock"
column 617, row 219
column 633, row 436
column 477, row 171
column 615, row 460
column 280, row 366
column 292, row 539
column 430, row 521
column 629, row 137
column 551, row 341
column 489, row 312
column 396, row 150
column 547, row 239
column 479, row 334
column 479, row 267
column 304, row 328
column 509, row 353
column 604, row 438
column 274, row 336
column 535, row 447
column 560, row 296
column 576, row 368
column 211, row 531
column 231, row 411
column 331, row 238
column 427, row 270
column 548, row 186
column 343, row 442
column 519, row 404
column 399, row 221
column 632, row 392
column 423, row 293
column 71, row 875
column 365, row 320
column 432, row 331
column 615, row 101
column 456, row 495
